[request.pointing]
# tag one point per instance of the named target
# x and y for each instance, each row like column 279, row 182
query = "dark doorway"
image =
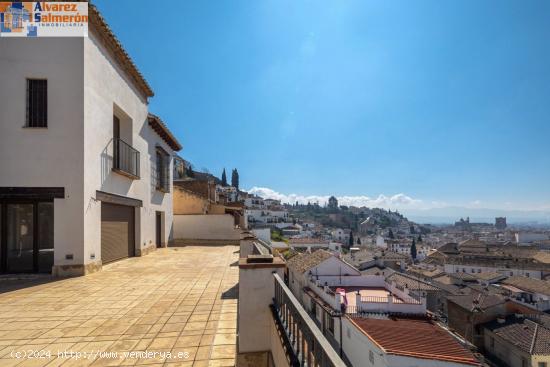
column 159, row 229
column 26, row 236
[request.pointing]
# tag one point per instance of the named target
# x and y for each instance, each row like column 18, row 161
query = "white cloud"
column 382, row 201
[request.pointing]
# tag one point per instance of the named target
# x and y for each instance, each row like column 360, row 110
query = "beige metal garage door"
column 117, row 232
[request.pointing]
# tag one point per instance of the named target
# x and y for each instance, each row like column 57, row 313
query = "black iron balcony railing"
column 304, row 343
column 125, row 159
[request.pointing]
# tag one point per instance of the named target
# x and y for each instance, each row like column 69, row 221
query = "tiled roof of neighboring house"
column 529, row 284
column 375, row 270
column 447, row 287
column 162, row 130
column 305, row 241
column 527, row 335
column 303, row 262
column 416, row 338
column 449, row 248
column 463, row 276
column 426, row 273
column 475, row 300
column 358, row 257
column 488, row 275
column 410, row 282
column 390, row 255
column 542, row 257
column 120, row 55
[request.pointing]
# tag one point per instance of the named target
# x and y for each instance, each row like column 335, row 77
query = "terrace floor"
column 178, row 300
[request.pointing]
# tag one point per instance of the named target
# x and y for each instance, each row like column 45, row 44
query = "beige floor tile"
column 168, row 300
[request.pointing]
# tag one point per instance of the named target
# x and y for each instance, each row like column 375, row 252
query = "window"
column 371, row 357
column 331, row 324
column 543, row 364
column 37, row 103
column 163, row 170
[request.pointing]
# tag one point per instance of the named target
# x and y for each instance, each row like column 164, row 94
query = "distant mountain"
column 453, row 213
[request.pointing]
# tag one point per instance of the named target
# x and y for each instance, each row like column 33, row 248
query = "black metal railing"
column 125, row 158
column 304, row 343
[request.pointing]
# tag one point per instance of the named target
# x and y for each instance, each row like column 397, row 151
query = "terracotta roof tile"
column 527, row 335
column 529, row 284
column 417, row 338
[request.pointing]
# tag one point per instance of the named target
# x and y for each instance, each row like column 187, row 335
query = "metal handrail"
column 125, row 158
column 308, row 345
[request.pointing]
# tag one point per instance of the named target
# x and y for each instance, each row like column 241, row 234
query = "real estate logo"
column 43, row 19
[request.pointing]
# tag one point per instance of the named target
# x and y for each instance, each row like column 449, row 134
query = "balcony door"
column 26, row 234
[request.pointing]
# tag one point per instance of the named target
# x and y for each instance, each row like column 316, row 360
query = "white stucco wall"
column 85, row 88
column 108, row 92
column 256, row 290
column 52, row 156
column 359, row 349
column 205, row 227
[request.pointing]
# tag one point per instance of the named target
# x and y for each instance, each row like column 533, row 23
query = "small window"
column 331, row 325
column 543, row 364
column 37, row 103
column 163, row 170
column 371, row 357
column 527, row 275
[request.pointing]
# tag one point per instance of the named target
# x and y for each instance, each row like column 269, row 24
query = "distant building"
column 500, row 223
column 517, row 341
column 526, row 238
column 463, row 224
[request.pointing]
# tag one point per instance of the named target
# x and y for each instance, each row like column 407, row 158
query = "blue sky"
column 445, row 102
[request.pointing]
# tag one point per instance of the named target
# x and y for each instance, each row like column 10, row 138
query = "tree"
column 419, row 238
column 413, row 250
column 358, row 240
column 390, row 234
column 224, row 178
column 351, row 239
column 235, row 178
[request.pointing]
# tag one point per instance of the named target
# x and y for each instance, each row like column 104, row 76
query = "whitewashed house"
column 368, row 319
column 85, row 167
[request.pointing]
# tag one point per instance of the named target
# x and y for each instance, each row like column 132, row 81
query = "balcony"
column 125, row 159
column 304, row 344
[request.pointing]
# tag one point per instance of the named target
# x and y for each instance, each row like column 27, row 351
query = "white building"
column 527, row 238
column 254, row 202
column 85, row 168
column 340, row 235
column 265, row 216
column 372, row 321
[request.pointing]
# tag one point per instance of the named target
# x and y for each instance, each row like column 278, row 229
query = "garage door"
column 117, row 232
